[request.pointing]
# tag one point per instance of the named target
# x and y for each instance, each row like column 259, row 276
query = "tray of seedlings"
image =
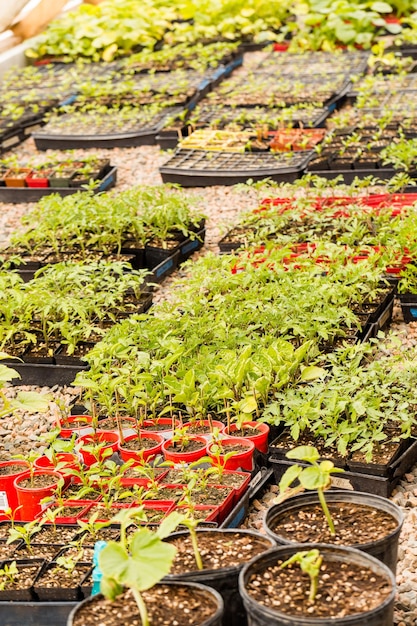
column 209, row 156
column 197, row 168
column 128, row 109
column 30, row 183
column 121, row 249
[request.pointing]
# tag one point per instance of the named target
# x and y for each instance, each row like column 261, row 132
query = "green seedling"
column 315, row 477
column 310, row 563
column 138, row 564
column 8, row 575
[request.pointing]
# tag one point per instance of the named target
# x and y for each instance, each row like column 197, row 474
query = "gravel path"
column 221, row 204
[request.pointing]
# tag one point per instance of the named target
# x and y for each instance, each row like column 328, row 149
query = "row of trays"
column 61, row 370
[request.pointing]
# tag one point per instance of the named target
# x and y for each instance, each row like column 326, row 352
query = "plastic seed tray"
column 197, row 168
column 16, row 195
column 244, row 117
column 317, row 62
column 139, row 133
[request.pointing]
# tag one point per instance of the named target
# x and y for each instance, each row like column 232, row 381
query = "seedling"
column 138, row 564
column 25, row 532
column 317, row 476
column 8, row 575
column 310, row 563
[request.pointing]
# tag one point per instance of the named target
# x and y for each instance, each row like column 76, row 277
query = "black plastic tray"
column 355, row 481
column 35, row 613
column 260, row 481
column 199, row 168
column 46, row 375
column 349, row 175
column 15, row 195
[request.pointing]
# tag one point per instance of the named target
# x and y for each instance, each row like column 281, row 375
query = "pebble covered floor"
column 136, row 166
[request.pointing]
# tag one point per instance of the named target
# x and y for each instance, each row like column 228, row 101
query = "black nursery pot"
column 202, row 590
column 261, row 615
column 384, row 549
column 225, row 581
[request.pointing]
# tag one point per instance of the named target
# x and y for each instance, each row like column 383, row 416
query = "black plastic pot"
column 225, row 581
column 260, row 615
column 385, row 549
column 214, row 620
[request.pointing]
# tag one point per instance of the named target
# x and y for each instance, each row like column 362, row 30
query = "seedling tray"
column 144, row 134
column 355, row 481
column 350, row 175
column 35, row 613
column 17, row 195
column 46, row 375
column 257, row 486
column 199, row 168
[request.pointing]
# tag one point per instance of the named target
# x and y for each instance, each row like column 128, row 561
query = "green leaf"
column 7, row 374
column 304, row 453
column 169, row 524
column 248, row 404
column 381, row 7
column 32, row 401
column 312, row 372
column 313, row 478
column 289, row 477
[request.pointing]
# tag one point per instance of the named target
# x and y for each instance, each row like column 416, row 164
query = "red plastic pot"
column 205, row 427
column 145, row 453
column 257, row 432
column 8, row 495
column 70, row 460
column 107, row 440
column 171, row 454
column 241, row 490
column 240, row 460
column 150, row 426
column 211, row 513
column 29, row 499
column 78, row 424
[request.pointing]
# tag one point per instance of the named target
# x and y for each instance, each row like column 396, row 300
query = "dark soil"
column 344, row 589
column 7, row 470
column 60, row 577
column 218, row 550
column 354, row 524
column 38, row 482
column 144, row 443
column 39, row 551
column 56, row 535
column 167, row 605
column 111, row 424
column 190, row 446
column 381, row 454
column 156, row 426
column 103, row 534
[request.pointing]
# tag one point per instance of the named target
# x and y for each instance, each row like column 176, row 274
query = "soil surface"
column 218, row 550
column 8, row 470
column 344, row 589
column 354, row 524
column 167, row 606
column 38, row 482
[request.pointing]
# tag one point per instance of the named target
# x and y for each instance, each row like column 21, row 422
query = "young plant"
column 25, row 533
column 314, row 477
column 8, row 575
column 138, row 563
column 310, row 563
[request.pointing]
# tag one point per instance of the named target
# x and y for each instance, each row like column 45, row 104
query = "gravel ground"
column 221, row 204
